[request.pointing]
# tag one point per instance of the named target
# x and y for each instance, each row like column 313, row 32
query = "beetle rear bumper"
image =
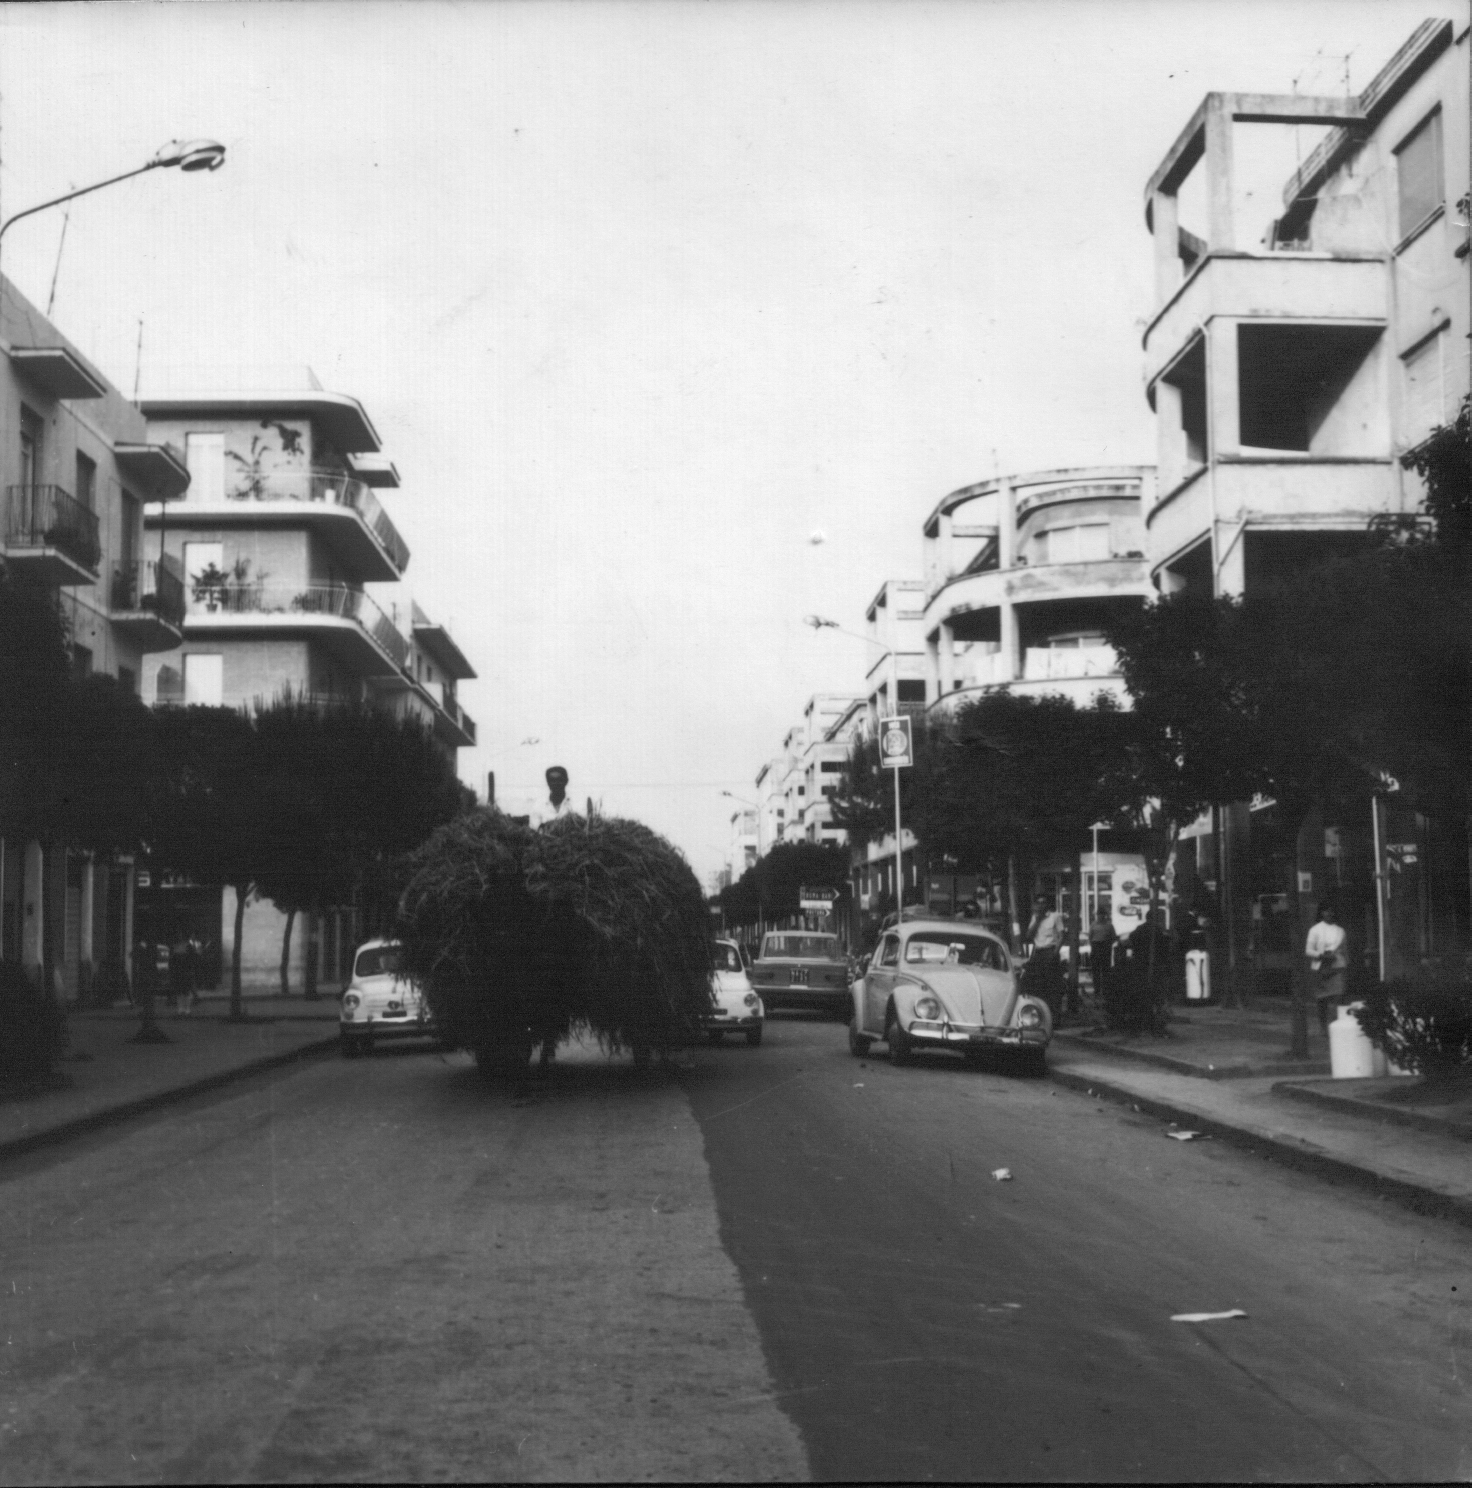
column 964, row 1036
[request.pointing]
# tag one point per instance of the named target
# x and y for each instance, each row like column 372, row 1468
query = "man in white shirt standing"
column 557, row 804
column 1327, row 961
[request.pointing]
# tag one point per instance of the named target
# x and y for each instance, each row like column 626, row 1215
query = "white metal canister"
column 1351, row 1054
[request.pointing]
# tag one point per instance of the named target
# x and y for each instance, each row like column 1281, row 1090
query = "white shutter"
column 1425, row 400
column 204, row 680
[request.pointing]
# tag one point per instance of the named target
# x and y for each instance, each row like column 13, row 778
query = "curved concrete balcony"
column 1081, row 691
column 346, row 620
column 1273, row 286
column 340, row 507
column 1278, row 491
column 1100, row 579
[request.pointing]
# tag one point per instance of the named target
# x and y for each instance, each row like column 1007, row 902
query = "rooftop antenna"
column 66, row 218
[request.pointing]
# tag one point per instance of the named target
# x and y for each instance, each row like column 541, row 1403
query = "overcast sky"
column 643, row 296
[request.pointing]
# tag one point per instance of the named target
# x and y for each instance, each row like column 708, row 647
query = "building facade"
column 1292, row 362
column 1022, row 575
column 80, row 467
column 293, row 586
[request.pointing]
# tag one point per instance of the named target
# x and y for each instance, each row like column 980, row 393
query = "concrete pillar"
column 1223, row 415
column 932, row 666
column 1165, row 219
column 947, row 658
column 1231, row 571
column 130, row 886
column 946, row 552
column 1006, row 524
column 89, row 890
column 30, row 905
column 1218, row 167
column 1009, row 650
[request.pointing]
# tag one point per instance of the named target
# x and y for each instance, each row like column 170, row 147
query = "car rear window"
column 802, row 947
column 377, row 961
column 727, row 958
column 939, row 947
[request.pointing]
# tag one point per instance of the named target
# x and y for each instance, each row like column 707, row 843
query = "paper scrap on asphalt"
column 1207, row 1317
column 1183, row 1136
column 858, row 1084
column 1002, row 1175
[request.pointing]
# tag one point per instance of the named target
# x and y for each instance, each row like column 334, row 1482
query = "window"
column 204, row 680
column 912, row 690
column 198, row 558
column 31, row 428
column 950, row 948
column 82, row 661
column 128, row 680
column 1426, row 388
column 1084, row 544
column 1418, row 174
column 132, row 529
column 205, row 456
column 86, row 481
column 889, row 951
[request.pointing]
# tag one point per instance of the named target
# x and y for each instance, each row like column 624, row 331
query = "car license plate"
column 799, row 976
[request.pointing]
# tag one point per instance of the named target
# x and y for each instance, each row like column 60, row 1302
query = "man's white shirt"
column 550, row 811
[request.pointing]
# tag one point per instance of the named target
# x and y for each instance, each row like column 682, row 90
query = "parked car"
column 738, row 1009
column 946, row 984
column 379, row 1003
column 801, row 969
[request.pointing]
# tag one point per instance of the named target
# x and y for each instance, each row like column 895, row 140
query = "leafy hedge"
column 1423, row 1022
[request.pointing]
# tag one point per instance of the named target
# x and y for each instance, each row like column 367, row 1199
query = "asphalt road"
column 923, row 1320
column 771, row 1263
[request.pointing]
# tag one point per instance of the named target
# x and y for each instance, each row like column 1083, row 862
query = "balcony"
column 1031, row 583
column 342, row 508
column 345, row 620
column 455, row 725
column 1279, row 285
column 147, row 602
column 51, row 535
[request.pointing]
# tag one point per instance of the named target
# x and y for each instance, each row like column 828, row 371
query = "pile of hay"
column 593, row 924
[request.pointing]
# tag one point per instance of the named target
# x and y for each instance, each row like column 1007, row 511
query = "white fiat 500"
column 737, row 1008
column 946, row 984
column 378, row 1003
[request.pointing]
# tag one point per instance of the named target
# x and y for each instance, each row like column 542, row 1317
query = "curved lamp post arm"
column 194, row 156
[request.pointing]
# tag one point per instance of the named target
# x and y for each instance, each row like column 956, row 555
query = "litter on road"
column 1002, row 1175
column 1183, row 1136
column 1207, row 1317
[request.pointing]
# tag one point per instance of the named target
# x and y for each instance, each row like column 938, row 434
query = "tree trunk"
column 1014, row 926
column 43, row 902
column 1072, row 999
column 309, row 975
column 286, row 953
column 1298, row 975
column 237, row 1002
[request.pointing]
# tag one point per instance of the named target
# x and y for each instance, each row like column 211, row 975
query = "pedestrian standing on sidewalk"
column 1328, row 962
column 1045, row 965
column 1102, row 937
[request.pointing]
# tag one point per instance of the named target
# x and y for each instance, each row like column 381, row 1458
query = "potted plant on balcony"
column 208, row 586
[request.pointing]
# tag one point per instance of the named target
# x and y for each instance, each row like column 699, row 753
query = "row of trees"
column 768, row 890
column 306, row 806
column 1316, row 690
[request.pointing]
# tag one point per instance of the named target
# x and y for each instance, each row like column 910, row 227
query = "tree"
column 768, row 890
column 210, row 816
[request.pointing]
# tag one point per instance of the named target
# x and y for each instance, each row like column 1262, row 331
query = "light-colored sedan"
column 737, row 1009
column 946, row 984
column 378, row 1003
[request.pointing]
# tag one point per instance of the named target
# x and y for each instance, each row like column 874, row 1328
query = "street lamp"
column 188, row 155
column 821, row 622
column 742, row 800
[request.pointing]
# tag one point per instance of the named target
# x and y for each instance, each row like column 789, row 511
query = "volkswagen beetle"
column 946, row 984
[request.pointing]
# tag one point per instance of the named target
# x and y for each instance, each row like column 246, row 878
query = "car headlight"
column 751, row 999
column 927, row 1008
column 351, row 1000
column 1029, row 1016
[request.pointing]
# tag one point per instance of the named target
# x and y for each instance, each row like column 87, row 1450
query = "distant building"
column 894, row 620
column 1023, row 573
column 80, row 464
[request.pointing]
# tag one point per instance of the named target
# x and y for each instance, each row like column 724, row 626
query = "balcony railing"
column 48, row 517
column 145, row 584
column 1062, row 663
column 245, row 598
column 332, row 488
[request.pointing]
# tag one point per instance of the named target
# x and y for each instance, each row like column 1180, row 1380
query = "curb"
column 1187, row 1067
column 79, row 1126
column 1394, row 1115
column 1294, row 1152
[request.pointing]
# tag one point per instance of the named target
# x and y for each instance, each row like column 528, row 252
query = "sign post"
column 896, row 752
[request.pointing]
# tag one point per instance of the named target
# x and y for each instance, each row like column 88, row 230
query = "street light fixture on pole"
column 189, row 156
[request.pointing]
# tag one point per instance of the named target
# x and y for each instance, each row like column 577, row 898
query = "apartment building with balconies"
column 1023, row 574
column 292, row 573
column 79, row 468
column 1297, row 350
column 894, row 625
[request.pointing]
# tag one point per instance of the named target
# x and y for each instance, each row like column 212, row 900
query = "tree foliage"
column 769, row 889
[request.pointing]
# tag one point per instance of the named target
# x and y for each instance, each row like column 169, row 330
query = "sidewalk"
column 1224, row 1072
column 105, row 1077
